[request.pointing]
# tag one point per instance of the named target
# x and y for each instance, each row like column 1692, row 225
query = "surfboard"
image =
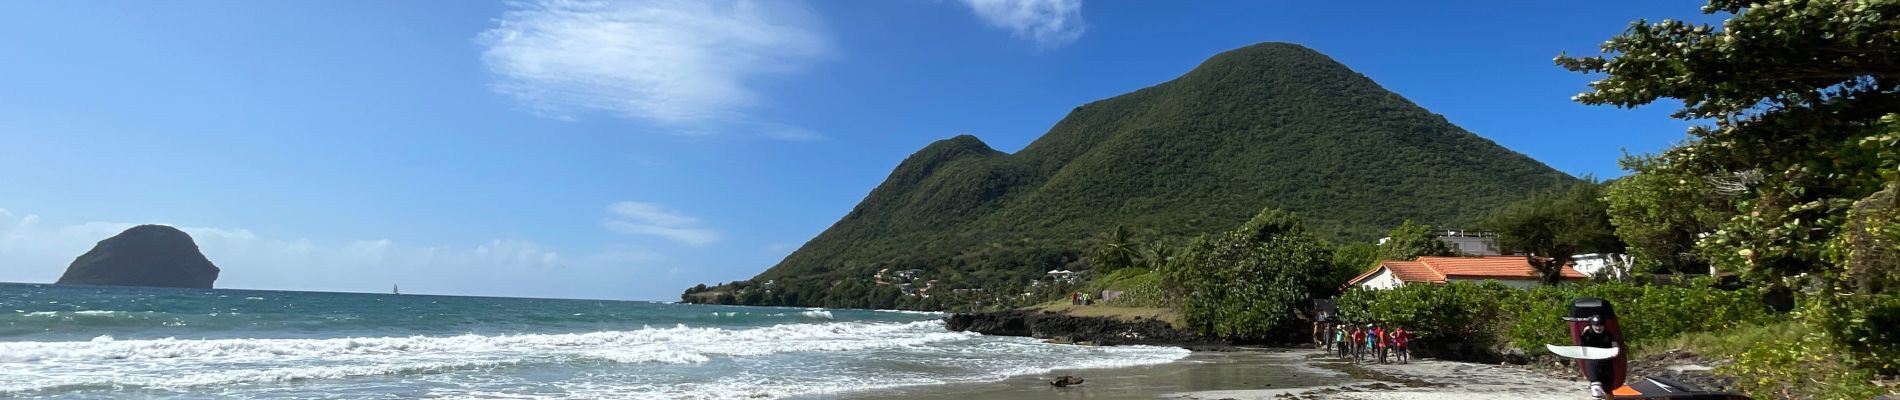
column 1583, row 352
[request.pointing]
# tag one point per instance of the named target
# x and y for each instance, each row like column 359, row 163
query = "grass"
column 1122, row 313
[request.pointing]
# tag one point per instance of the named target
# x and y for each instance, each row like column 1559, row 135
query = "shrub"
column 1863, row 326
column 1253, row 282
column 1805, row 367
column 1491, row 313
column 1646, row 313
column 1472, row 313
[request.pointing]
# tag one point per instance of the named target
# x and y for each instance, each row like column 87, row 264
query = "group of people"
column 1080, row 299
column 1370, row 341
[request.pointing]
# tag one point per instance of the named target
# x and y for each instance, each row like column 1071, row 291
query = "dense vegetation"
column 1250, row 282
column 1791, row 192
column 1270, row 125
column 1494, row 315
column 1795, row 173
column 1551, row 226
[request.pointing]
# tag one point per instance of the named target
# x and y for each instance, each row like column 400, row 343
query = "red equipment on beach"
column 1587, row 311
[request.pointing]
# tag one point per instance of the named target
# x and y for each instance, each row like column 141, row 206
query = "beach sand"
column 1265, row 374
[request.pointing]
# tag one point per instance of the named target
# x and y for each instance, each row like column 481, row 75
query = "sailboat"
column 395, row 289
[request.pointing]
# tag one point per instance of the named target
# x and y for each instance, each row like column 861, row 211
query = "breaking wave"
column 716, row 341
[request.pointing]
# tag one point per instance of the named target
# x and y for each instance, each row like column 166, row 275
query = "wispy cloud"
column 640, row 218
column 681, row 64
column 1047, row 23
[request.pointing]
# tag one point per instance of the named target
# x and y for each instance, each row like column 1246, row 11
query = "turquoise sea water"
column 111, row 342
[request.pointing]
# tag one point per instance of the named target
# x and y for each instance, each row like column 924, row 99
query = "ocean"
column 115, row 342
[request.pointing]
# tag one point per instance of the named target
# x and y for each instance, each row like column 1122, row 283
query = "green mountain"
column 1271, row 124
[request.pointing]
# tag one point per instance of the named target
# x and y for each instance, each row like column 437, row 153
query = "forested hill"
column 1272, row 124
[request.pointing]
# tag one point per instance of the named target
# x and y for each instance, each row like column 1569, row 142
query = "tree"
column 1351, row 260
column 1117, row 250
column 1661, row 212
column 1250, row 282
column 1157, row 254
column 1409, row 241
column 1550, row 227
column 1792, row 89
column 1803, row 97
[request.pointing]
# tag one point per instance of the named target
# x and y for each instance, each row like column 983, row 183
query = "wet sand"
column 1265, row 374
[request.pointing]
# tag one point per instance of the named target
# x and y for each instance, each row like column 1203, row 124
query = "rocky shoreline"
column 1087, row 330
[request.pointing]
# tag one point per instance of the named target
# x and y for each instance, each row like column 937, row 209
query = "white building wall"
column 1617, row 266
column 1384, row 279
column 1473, row 245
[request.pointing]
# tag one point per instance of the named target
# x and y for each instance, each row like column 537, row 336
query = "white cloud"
column 1047, row 23
column 639, row 218
column 683, row 64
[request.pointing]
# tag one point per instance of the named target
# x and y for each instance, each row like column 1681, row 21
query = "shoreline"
column 1262, row 374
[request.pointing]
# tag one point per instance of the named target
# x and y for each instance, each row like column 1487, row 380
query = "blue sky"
column 628, row 150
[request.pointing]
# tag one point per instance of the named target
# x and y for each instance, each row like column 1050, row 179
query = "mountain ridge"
column 1268, row 125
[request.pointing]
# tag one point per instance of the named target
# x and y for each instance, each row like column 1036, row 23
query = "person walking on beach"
column 1339, row 341
column 1597, row 371
column 1378, row 341
column 1359, row 336
column 1399, row 339
column 1372, row 340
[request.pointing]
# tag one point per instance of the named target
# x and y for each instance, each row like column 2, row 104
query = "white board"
column 1584, row 353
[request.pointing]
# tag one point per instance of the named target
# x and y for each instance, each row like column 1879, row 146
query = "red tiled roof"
column 1441, row 269
column 1493, row 267
column 1413, row 271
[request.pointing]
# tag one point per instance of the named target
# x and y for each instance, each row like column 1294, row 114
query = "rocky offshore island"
column 145, row 255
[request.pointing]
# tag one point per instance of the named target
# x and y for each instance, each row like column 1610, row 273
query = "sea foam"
column 738, row 342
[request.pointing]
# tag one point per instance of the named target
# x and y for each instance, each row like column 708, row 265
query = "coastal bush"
column 1464, row 313
column 1866, row 328
column 1807, row 366
column 1250, row 283
column 1490, row 313
column 1647, row 313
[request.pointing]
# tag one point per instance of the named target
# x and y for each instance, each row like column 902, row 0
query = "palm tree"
column 1156, row 255
column 1117, row 251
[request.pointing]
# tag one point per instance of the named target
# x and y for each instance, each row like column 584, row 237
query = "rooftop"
column 1443, row 269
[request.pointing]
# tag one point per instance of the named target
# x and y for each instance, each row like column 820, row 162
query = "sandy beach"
column 1266, row 374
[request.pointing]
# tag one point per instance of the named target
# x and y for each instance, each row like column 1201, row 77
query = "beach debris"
column 1065, row 381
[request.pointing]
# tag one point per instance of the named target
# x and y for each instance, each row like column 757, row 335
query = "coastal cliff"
column 145, row 255
column 1063, row 327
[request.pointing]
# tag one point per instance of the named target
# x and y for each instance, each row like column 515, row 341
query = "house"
column 1472, row 243
column 1065, row 276
column 1613, row 266
column 1513, row 271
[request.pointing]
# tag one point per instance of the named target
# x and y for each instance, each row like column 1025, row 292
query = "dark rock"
column 1065, row 381
column 1103, row 331
column 146, row 255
